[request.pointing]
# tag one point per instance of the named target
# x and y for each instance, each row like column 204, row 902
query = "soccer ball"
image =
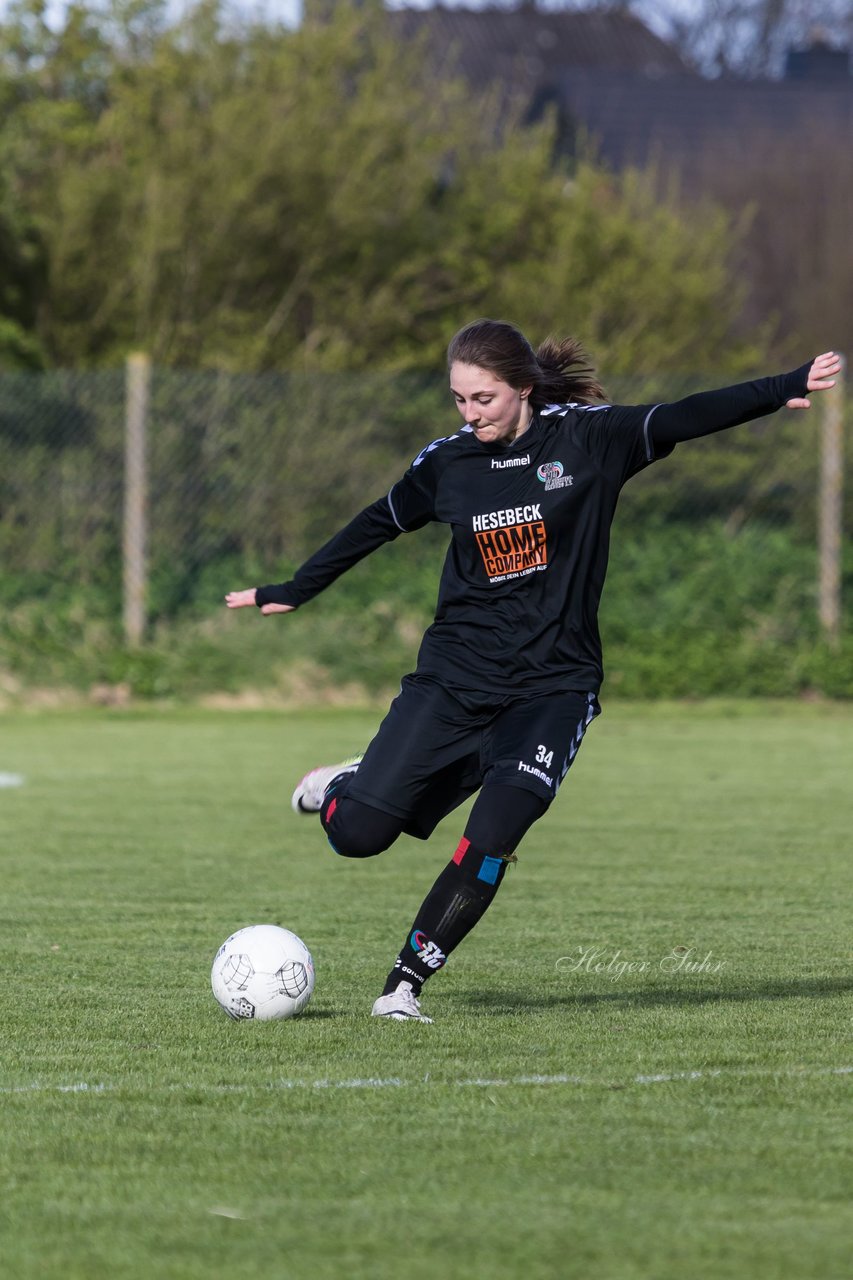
column 263, row 972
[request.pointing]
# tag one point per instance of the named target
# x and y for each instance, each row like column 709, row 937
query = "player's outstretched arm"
column 712, row 411
column 240, row 600
column 371, row 528
column 822, row 375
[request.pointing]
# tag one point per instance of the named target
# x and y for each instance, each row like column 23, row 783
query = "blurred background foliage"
column 712, row 587
column 292, row 223
column 260, row 198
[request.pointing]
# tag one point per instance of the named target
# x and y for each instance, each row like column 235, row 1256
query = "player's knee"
column 354, row 830
column 350, row 844
column 502, row 816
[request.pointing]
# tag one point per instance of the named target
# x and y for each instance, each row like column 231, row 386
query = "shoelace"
column 408, row 998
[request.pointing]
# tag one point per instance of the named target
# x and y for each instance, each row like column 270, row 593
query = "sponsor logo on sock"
column 410, row 973
column 427, row 952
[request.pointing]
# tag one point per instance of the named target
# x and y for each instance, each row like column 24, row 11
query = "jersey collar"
column 519, row 445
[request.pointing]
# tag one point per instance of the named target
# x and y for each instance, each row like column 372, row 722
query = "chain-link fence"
column 237, row 478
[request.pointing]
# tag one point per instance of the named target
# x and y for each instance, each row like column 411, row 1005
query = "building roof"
column 614, row 80
column 633, row 119
column 536, row 46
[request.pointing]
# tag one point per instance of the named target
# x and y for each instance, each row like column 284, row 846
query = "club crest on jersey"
column 551, row 475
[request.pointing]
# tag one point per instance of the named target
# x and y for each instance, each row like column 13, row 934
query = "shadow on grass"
column 649, row 997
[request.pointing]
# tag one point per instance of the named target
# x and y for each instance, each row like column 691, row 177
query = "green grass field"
column 558, row 1120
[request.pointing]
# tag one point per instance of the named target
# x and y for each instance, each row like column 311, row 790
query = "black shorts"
column 435, row 748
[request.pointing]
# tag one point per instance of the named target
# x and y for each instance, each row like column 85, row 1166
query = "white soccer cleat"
column 311, row 790
column 402, row 1005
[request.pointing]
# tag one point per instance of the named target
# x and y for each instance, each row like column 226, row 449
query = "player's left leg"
column 461, row 895
column 527, row 751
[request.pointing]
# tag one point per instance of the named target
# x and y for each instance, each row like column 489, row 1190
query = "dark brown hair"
column 559, row 369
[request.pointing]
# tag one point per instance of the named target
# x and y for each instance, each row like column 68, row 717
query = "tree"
column 265, row 199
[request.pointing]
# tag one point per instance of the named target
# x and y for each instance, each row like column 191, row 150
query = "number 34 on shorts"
column 540, row 742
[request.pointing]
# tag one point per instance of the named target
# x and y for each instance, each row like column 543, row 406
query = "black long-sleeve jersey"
column 522, row 580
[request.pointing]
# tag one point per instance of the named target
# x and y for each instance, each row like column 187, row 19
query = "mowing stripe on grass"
column 395, row 1082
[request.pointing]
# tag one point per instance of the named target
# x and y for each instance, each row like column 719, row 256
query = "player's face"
column 497, row 412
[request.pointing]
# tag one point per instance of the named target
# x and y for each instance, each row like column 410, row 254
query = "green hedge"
column 688, row 611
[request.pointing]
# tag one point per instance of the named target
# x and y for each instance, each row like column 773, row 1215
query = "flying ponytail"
column 566, row 374
column 558, row 371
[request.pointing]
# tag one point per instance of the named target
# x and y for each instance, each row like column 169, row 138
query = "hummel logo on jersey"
column 498, row 464
column 551, row 475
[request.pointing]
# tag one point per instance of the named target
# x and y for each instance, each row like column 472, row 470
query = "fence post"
column 137, row 384
column 830, row 512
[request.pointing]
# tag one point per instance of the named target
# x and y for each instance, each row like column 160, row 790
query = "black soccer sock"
column 457, row 900
column 467, row 886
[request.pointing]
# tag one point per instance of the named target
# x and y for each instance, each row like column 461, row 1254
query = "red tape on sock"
column 461, row 851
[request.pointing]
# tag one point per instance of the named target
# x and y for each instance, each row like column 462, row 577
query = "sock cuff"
column 477, row 864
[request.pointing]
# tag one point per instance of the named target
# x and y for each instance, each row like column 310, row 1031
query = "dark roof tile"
column 633, row 119
column 493, row 42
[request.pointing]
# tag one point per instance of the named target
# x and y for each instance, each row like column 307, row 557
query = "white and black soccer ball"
column 263, row 972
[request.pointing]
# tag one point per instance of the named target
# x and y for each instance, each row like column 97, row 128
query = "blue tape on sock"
column 489, row 870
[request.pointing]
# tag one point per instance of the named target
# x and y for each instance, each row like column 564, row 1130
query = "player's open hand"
column 822, row 376
column 240, row 600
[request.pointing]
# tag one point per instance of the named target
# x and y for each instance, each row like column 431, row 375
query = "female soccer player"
column 508, row 674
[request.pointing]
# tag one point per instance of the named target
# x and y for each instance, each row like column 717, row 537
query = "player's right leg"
column 354, row 830
column 423, row 746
